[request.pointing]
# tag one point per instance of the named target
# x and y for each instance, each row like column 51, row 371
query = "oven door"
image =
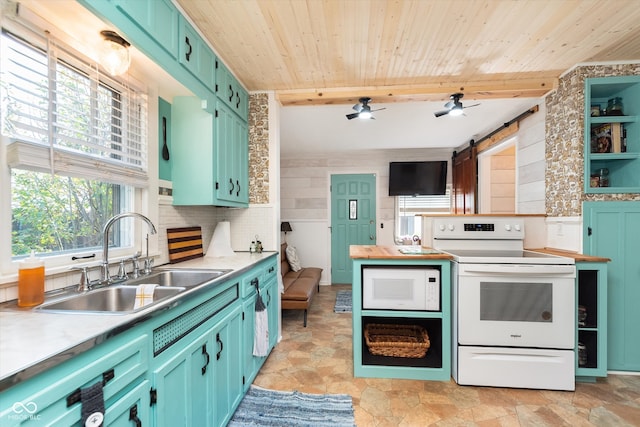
column 516, row 305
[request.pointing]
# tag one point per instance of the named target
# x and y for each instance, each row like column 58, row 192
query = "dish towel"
column 92, row 400
column 144, row 295
column 261, row 334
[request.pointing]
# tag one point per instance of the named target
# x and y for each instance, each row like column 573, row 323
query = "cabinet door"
column 232, row 156
column 229, row 90
column 195, row 55
column 131, row 408
column 271, row 297
column 184, row 385
column 591, row 299
column 228, row 367
column 159, row 18
column 251, row 364
column 611, row 230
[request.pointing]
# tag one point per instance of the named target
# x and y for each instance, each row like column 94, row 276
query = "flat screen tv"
column 417, row 178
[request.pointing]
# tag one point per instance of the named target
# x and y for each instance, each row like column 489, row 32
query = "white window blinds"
column 62, row 115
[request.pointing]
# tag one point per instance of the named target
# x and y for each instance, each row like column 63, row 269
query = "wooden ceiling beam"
column 472, row 90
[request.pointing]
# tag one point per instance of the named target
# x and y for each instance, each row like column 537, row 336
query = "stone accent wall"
column 565, row 141
column 259, row 148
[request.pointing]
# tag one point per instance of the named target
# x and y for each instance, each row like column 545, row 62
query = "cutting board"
column 185, row 243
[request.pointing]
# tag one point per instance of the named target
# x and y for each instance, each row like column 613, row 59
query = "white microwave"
column 416, row 289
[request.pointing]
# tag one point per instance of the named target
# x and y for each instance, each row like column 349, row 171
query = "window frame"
column 62, row 262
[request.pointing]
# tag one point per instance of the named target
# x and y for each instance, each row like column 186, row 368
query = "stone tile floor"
column 318, row 359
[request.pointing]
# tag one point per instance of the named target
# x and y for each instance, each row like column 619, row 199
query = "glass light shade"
column 456, row 111
column 364, row 115
column 114, row 54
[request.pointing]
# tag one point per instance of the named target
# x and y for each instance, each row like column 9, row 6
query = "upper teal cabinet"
column 195, row 55
column 229, row 91
column 612, row 135
column 159, row 18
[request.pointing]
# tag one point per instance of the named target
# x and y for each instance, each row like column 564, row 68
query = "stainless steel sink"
column 182, row 278
column 115, row 300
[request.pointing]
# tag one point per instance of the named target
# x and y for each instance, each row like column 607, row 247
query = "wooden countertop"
column 569, row 254
column 394, row 252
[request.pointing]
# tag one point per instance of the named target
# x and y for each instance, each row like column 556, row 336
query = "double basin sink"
column 120, row 298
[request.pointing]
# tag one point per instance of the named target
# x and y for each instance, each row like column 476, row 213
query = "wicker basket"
column 397, row 340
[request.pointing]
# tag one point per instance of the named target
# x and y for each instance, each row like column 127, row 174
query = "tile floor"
column 318, row 359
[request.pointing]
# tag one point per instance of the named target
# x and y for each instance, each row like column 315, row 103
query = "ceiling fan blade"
column 474, row 105
column 358, row 107
column 379, row 109
column 352, row 115
column 441, row 113
column 449, row 104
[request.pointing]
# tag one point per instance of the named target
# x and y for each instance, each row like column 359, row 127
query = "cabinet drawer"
column 269, row 273
column 249, row 283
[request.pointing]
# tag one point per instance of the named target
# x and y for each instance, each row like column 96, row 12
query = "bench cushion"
column 301, row 285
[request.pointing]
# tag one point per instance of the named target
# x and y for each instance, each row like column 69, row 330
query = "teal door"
column 612, row 230
column 353, row 220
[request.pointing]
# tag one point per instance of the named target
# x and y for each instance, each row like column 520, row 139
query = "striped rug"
column 262, row 407
column 343, row 302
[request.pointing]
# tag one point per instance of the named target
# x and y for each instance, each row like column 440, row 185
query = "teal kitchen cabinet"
column 591, row 309
column 227, row 365
column 612, row 230
column 158, row 18
column 193, row 157
column 52, row 398
column 612, row 140
column 232, row 159
column 195, row 55
column 229, row 90
column 265, row 280
column 436, row 365
column 209, row 164
column 184, row 385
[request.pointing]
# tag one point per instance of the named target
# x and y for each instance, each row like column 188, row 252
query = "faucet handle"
column 84, row 282
column 122, row 271
column 148, row 263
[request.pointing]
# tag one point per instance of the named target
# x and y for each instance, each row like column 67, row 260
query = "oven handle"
column 527, row 269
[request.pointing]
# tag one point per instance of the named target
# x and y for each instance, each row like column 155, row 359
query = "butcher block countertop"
column 576, row 256
column 395, row 252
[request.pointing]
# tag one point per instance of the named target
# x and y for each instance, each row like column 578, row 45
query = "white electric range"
column 513, row 309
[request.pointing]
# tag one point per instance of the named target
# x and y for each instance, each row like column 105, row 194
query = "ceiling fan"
column 363, row 110
column 454, row 107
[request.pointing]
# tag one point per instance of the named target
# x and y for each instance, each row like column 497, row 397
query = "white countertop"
column 31, row 340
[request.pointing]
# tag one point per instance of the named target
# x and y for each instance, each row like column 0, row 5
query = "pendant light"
column 114, row 53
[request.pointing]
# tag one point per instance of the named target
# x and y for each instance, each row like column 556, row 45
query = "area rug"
column 343, row 302
column 263, row 407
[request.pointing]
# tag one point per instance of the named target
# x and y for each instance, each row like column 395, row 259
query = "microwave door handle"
column 505, row 270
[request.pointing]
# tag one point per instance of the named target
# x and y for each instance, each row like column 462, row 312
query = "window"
column 75, row 145
column 409, row 209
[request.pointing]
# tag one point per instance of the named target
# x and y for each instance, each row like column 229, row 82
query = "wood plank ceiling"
column 333, row 51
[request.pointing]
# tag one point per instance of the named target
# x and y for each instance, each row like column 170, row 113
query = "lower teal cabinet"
column 183, row 385
column 188, row 366
column 201, row 384
column 52, row 397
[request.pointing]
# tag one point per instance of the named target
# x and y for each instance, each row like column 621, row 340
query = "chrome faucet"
column 106, row 279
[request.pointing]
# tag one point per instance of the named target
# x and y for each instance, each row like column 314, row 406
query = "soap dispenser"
column 31, row 282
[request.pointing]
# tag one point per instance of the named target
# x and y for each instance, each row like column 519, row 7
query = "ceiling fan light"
column 364, row 115
column 455, row 111
column 114, row 53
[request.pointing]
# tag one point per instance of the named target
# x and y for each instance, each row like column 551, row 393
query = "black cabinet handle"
column 188, row 54
column 237, row 100
column 206, row 355
column 238, row 191
column 232, row 186
column 221, row 344
column 231, row 93
column 133, row 416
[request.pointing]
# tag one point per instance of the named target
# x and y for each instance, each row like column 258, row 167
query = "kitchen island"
column 433, row 316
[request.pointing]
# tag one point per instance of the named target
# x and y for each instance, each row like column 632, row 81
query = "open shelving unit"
column 623, row 163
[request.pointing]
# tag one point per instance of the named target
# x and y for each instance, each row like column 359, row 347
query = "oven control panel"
column 509, row 228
